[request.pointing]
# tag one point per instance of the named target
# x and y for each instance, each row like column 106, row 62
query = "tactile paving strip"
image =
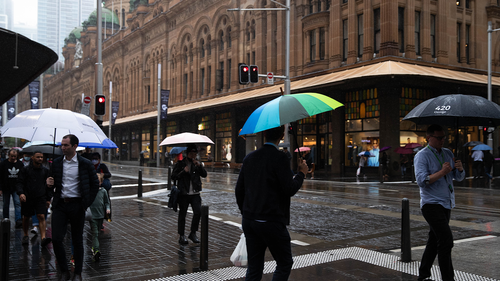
column 356, row 253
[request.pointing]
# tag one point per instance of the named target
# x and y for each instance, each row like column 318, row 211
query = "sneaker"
column 96, row 256
column 26, row 240
column 34, row 230
column 46, row 241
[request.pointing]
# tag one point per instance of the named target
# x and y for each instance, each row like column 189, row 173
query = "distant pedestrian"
column 263, row 193
column 488, row 163
column 188, row 173
column 477, row 165
column 287, row 153
column 99, row 208
column 76, row 186
column 102, row 169
column 404, row 164
column 362, row 163
column 34, row 195
column 26, row 159
column 9, row 171
column 435, row 170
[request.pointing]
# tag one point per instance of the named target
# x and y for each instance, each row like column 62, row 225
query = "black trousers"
column 440, row 242
column 263, row 235
column 184, row 201
column 73, row 213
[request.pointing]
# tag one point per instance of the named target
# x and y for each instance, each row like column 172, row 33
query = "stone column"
column 442, row 33
column 352, row 32
column 388, row 95
column 368, row 40
column 425, row 31
column 335, row 34
column 389, row 28
column 410, row 30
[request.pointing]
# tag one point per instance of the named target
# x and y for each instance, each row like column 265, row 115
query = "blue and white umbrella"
column 482, row 147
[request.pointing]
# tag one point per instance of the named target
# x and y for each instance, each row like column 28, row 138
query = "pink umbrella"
column 385, row 148
column 302, row 149
column 403, row 150
column 412, row 145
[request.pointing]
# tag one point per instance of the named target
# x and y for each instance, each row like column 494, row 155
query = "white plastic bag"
column 358, row 171
column 240, row 256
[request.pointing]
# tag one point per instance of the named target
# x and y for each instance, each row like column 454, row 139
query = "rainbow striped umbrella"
column 286, row 109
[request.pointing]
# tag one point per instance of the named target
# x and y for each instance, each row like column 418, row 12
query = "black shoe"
column 183, row 240
column 192, row 237
column 46, row 241
column 97, row 256
column 64, row 276
column 77, row 277
column 26, row 240
column 19, row 224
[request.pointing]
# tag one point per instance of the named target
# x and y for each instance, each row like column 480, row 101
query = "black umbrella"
column 456, row 111
column 45, row 149
column 472, row 143
column 21, row 61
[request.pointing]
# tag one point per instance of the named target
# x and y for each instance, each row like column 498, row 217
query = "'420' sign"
column 442, row 109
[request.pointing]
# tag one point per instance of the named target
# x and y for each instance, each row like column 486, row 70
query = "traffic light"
column 243, row 73
column 290, row 129
column 100, row 105
column 254, row 74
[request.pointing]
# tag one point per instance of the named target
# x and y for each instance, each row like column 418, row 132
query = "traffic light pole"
column 285, row 8
column 98, row 65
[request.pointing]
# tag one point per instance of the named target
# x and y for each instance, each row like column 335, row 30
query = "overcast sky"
column 25, row 12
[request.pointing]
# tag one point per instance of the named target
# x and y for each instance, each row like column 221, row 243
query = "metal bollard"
column 204, row 238
column 343, row 170
column 139, row 185
column 405, row 232
column 381, row 172
column 412, row 174
column 169, row 185
column 4, row 249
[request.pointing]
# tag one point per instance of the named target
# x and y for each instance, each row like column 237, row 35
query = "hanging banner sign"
column 115, row 105
column 11, row 108
column 165, row 94
column 34, row 89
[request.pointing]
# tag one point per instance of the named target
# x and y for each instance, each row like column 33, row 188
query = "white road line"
column 454, row 242
column 134, row 184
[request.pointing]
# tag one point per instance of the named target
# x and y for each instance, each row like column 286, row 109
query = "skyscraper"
column 56, row 18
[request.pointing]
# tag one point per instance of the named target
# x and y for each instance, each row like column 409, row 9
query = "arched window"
column 253, row 29
column 185, row 55
column 248, row 31
column 209, row 45
column 229, row 37
column 221, row 40
column 191, row 52
column 202, row 48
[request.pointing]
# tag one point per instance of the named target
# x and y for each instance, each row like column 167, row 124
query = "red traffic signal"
column 243, row 73
column 254, row 74
column 100, row 105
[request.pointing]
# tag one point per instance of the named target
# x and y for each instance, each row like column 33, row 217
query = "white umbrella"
column 42, row 124
column 186, row 138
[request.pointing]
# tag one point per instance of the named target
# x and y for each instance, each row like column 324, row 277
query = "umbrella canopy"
column 284, row 144
column 186, row 138
column 177, row 149
column 403, row 150
column 286, row 109
column 472, row 143
column 385, row 148
column 412, row 145
column 23, row 60
column 44, row 148
column 106, row 144
column 482, row 147
column 366, row 153
column 42, row 124
column 417, row 149
column 302, row 149
column 456, row 110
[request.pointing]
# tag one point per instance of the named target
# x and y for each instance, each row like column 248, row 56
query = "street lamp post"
column 490, row 30
column 285, row 8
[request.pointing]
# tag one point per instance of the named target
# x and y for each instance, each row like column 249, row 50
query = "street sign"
column 270, row 78
column 86, row 106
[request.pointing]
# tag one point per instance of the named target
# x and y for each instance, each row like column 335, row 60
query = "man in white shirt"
column 477, row 166
column 76, row 185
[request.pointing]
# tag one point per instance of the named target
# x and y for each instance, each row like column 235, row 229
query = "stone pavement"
column 141, row 244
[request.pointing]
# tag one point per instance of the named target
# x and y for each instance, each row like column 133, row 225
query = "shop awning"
column 371, row 70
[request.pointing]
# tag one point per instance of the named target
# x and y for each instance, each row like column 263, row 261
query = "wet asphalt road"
column 325, row 214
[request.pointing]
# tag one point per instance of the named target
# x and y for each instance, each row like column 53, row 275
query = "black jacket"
column 266, row 184
column 89, row 183
column 32, row 182
column 183, row 178
column 9, row 172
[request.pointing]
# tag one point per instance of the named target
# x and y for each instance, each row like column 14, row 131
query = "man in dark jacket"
column 76, row 185
column 34, row 195
column 9, row 171
column 263, row 194
column 187, row 173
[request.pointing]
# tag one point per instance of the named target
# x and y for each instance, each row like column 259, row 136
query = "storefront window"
column 145, row 144
column 411, row 97
column 223, row 137
column 358, row 143
column 204, row 129
column 171, row 128
column 362, row 104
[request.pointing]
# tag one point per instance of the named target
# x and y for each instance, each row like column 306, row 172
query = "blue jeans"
column 272, row 235
column 440, row 242
column 6, row 205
